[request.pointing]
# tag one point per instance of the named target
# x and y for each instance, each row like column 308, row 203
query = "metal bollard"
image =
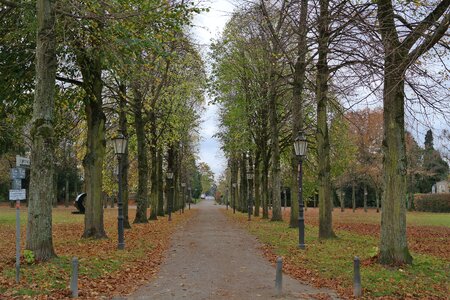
column 279, row 276
column 357, row 292
column 74, row 279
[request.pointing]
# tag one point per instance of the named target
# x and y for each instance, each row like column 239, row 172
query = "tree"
column 39, row 226
column 400, row 52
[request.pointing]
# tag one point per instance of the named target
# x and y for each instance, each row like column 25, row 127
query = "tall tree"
column 323, row 140
column 39, row 226
column 400, row 51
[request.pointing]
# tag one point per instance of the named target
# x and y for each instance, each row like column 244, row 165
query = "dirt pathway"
column 211, row 258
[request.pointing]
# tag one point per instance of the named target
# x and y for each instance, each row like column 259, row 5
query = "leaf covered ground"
column 104, row 270
column 330, row 263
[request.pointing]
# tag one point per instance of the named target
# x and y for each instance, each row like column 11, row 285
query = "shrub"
column 432, row 202
column 29, row 256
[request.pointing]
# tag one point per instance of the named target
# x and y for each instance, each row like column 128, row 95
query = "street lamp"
column 234, row 197
column 250, row 193
column 120, row 147
column 169, row 176
column 300, row 146
column 183, row 185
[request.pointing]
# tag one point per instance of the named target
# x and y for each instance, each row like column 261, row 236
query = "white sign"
column 22, row 161
column 15, row 195
column 18, row 173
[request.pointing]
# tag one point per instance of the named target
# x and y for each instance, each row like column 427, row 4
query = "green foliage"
column 29, row 256
column 432, row 202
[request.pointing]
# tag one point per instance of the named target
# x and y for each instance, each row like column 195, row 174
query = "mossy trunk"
column 154, row 170
column 393, row 242
column 125, row 160
column 39, row 222
column 142, row 160
column 322, row 136
column 160, row 183
column 90, row 63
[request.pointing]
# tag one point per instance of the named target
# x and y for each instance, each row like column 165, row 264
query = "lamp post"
column 183, row 185
column 300, row 146
column 190, row 197
column 250, row 193
column 234, row 197
column 169, row 176
column 120, row 146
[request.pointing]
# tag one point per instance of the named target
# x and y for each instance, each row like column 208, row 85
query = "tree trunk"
column 275, row 148
column 353, row 196
column 257, row 183
column 365, row 198
column 39, row 223
column 393, row 242
column 297, row 105
column 142, row 160
column 342, row 199
column 159, row 183
column 265, row 185
column 66, row 198
column 243, row 184
column 377, row 196
column 323, row 142
column 125, row 160
column 91, row 70
column 154, row 171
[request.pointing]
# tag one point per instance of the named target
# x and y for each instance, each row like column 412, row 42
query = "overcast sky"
column 208, row 26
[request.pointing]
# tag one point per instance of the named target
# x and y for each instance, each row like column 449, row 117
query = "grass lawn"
column 330, row 263
column 103, row 270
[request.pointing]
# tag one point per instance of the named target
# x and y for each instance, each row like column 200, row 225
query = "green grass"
column 333, row 260
column 60, row 216
column 428, row 219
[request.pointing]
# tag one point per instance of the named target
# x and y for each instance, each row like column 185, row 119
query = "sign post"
column 17, row 194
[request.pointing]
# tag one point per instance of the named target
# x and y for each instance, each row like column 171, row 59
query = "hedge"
column 432, row 202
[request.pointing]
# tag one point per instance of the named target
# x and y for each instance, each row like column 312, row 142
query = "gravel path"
column 211, row 258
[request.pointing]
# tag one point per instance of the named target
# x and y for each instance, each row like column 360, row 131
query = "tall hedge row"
column 432, row 202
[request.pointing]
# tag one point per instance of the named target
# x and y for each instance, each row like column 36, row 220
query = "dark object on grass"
column 79, row 204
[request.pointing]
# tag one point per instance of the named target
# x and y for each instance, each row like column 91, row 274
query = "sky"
column 209, row 26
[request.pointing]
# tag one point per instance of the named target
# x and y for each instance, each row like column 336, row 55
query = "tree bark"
column 66, row 198
column 91, row 70
column 39, row 223
column 159, row 184
column 393, row 242
column 257, row 183
column 125, row 159
column 365, row 198
column 323, row 142
column 353, row 196
column 297, row 105
column 154, row 171
column 243, row 184
column 265, row 185
column 142, row 160
column 275, row 148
